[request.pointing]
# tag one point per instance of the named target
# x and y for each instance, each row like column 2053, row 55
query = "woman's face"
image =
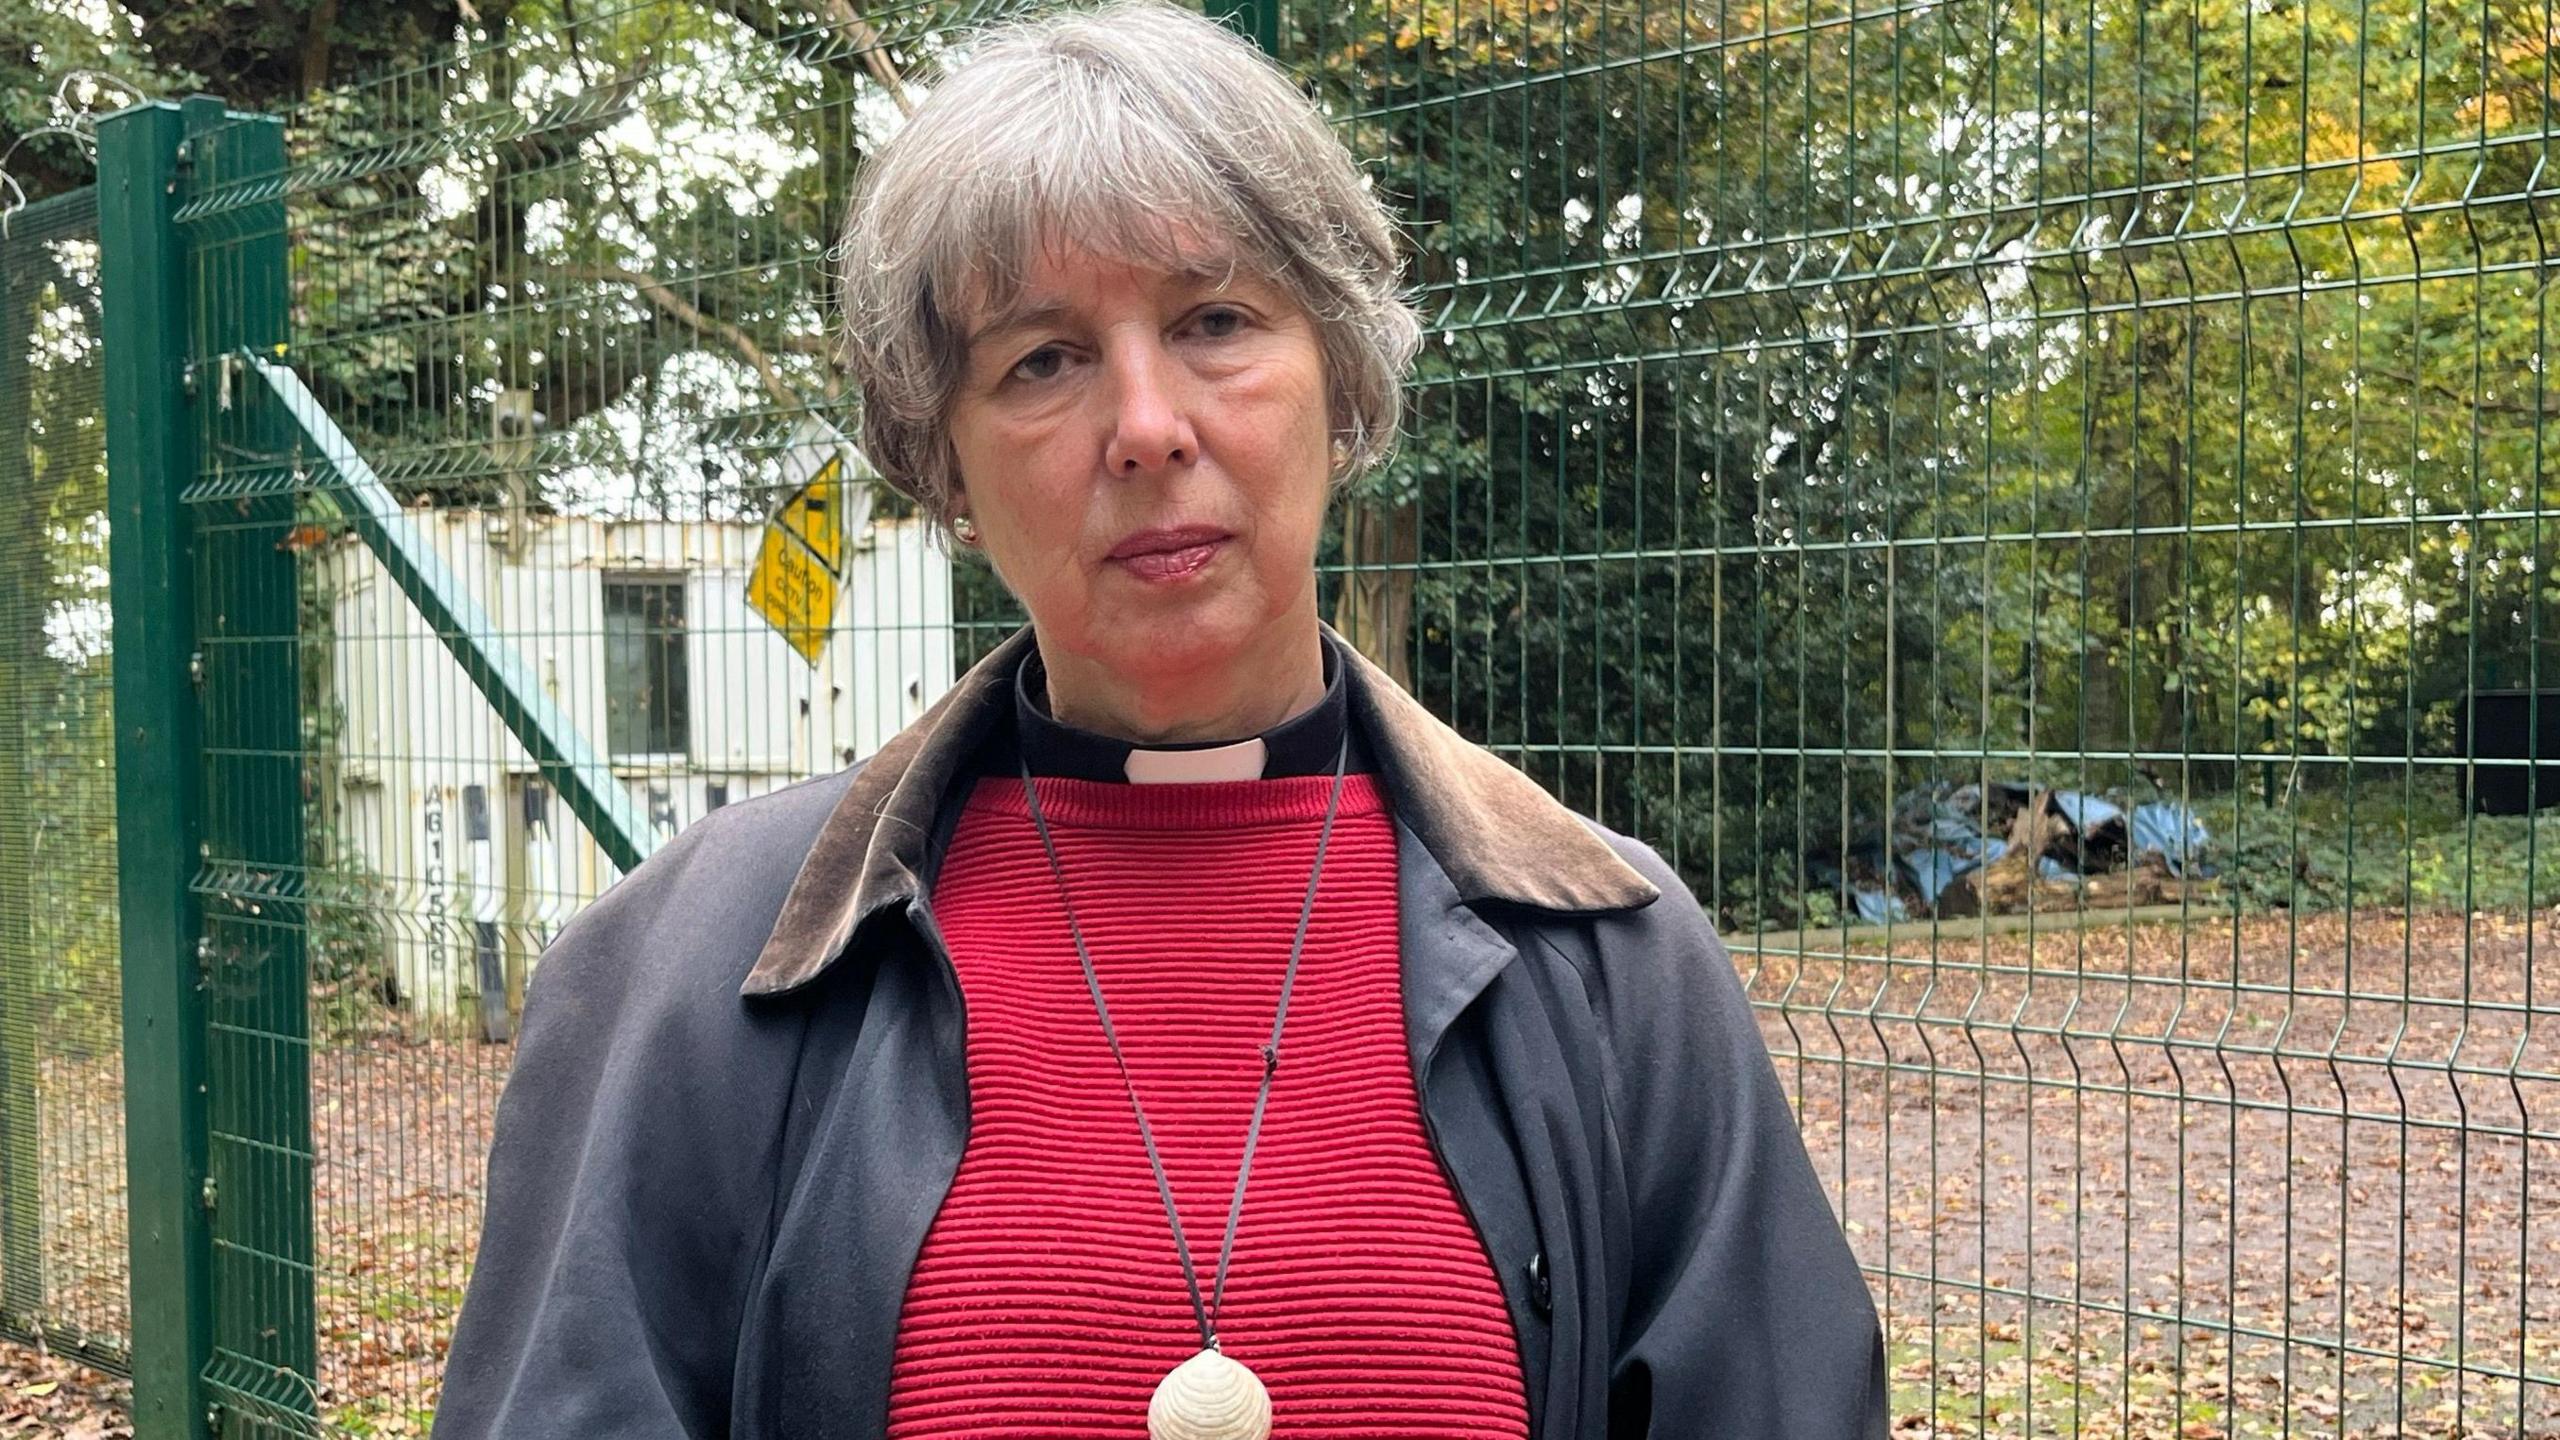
column 1145, row 456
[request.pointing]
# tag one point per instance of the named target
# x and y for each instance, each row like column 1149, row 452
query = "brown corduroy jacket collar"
column 1499, row 836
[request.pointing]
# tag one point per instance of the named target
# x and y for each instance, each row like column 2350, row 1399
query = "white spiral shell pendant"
column 1209, row 1397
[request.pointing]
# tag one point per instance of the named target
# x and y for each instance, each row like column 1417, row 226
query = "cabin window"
column 647, row 703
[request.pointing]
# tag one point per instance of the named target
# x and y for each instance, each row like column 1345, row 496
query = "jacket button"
column 1541, row 1294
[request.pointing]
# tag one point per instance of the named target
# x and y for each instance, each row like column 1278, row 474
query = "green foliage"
column 1812, row 408
column 1893, row 402
column 69, row 61
column 61, row 67
column 2398, row 839
column 59, row 681
column 618, row 224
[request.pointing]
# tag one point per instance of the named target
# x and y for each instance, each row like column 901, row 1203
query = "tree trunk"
column 1374, row 610
column 318, row 31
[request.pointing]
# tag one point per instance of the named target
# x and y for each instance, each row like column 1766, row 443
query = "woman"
column 1177, row 1026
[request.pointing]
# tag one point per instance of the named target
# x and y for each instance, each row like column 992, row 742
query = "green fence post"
column 210, row 785
column 151, row 577
column 248, row 627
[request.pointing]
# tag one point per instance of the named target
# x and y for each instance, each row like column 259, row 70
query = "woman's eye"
column 1219, row 324
column 1040, row 364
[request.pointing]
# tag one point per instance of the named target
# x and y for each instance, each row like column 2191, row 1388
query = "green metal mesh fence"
column 549, row 356
column 62, row 1153
column 2035, row 508
column 2026, row 504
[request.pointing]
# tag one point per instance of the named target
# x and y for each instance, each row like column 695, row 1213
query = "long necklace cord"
column 1205, row 1312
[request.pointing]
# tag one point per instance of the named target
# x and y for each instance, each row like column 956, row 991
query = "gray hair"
column 1118, row 127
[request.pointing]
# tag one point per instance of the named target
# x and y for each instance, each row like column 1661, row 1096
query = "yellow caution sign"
column 814, row 514
column 808, row 544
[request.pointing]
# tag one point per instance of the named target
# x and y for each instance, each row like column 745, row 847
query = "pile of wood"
column 2019, row 879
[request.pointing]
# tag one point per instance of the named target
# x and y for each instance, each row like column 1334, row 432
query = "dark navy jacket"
column 740, row 1095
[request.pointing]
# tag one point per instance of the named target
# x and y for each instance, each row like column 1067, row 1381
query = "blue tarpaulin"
column 1944, row 831
column 2085, row 812
column 2171, row 830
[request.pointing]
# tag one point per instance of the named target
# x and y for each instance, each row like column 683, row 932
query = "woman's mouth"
column 1168, row 554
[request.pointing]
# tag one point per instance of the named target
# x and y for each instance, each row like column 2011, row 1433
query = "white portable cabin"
column 640, row 632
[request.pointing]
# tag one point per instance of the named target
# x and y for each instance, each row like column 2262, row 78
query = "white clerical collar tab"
column 1241, row 761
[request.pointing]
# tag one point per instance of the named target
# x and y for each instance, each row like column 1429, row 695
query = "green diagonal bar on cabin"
column 568, row 762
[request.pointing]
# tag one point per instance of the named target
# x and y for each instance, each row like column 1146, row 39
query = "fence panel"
column 518, row 417
column 62, row 1152
column 2023, row 503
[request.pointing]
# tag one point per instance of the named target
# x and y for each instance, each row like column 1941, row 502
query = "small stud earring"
column 966, row 529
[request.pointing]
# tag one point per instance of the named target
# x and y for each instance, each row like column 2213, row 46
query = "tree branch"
column 843, row 15
column 500, row 214
column 690, row 316
column 875, row 53
column 2474, row 402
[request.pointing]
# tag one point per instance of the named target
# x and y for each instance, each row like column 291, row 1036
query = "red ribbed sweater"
column 1047, row 1300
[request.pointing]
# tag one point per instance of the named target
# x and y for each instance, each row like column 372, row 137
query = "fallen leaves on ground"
column 43, row 1394
column 2233, row 1179
column 2281, row 1175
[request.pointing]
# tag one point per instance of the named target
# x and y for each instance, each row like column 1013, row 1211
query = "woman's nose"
column 1151, row 424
